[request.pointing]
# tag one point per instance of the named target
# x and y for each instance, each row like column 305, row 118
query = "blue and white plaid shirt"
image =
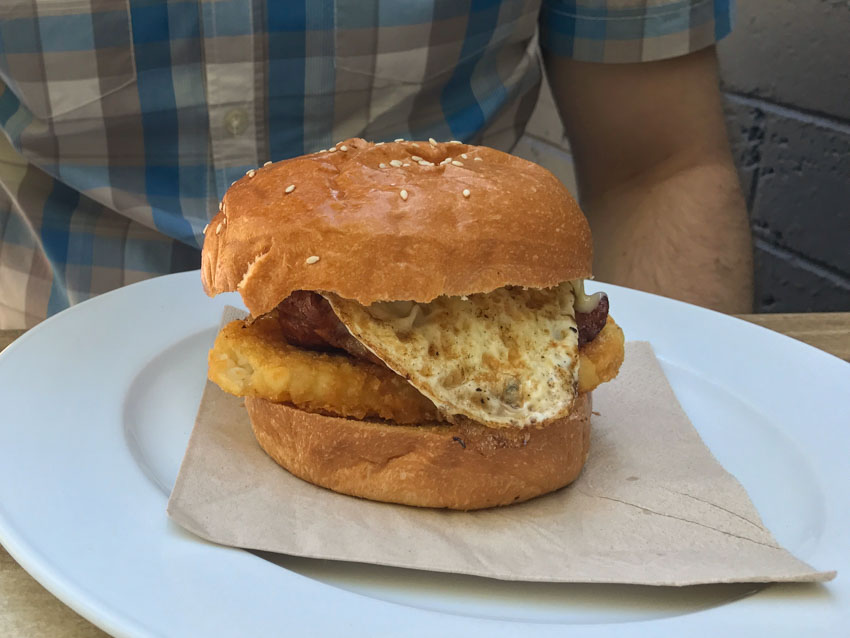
column 126, row 120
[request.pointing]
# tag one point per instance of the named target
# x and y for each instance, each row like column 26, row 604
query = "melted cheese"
column 583, row 302
column 508, row 358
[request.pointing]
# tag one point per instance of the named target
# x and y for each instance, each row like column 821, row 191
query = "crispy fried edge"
column 600, row 359
column 252, row 359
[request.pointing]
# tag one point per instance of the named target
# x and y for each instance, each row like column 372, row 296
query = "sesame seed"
column 406, row 164
column 455, row 142
column 466, row 192
column 204, row 231
column 379, row 144
column 403, row 194
column 424, row 163
column 220, row 205
column 289, row 189
column 395, row 163
column 251, row 173
column 416, row 158
column 324, row 150
column 218, row 229
column 332, row 149
column 233, row 183
column 267, row 163
column 224, row 221
column 343, row 148
column 456, row 163
column 312, row 259
column 382, row 165
column 398, row 139
column 432, row 141
column 464, row 156
column 478, row 159
column 448, row 160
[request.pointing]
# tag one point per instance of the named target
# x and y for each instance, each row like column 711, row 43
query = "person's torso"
column 152, row 109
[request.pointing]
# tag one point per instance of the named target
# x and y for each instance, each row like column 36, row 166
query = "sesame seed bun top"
column 394, row 221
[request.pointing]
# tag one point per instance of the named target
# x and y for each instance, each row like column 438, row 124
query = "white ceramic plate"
column 98, row 403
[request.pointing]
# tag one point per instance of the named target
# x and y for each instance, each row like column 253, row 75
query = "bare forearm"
column 656, row 177
column 683, row 234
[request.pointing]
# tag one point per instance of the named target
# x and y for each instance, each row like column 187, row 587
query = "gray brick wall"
column 786, row 83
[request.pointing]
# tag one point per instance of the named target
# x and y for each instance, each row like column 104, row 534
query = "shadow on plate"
column 563, row 603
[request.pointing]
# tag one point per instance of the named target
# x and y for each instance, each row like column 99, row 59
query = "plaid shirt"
column 126, row 120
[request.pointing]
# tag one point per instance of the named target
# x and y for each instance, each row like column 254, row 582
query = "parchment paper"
column 652, row 506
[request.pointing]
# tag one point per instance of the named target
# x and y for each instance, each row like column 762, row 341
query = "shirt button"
column 236, row 121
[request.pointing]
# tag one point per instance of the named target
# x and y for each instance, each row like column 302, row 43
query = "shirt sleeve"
column 632, row 30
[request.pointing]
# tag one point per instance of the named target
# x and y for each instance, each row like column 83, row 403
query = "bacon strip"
column 307, row 320
column 591, row 323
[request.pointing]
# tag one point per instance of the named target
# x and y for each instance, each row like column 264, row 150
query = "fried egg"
column 507, row 358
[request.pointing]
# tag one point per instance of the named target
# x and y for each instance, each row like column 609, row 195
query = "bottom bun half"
column 465, row 466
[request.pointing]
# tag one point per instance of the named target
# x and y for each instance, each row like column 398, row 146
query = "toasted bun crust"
column 518, row 226
column 463, row 467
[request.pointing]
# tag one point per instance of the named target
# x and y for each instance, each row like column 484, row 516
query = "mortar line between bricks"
column 826, row 271
column 790, row 111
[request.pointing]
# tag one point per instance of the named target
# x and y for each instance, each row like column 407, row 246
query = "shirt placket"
column 230, row 68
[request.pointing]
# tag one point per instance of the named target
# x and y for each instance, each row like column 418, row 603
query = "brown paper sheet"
column 652, row 506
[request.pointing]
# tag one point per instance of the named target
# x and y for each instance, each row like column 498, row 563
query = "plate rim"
column 118, row 622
